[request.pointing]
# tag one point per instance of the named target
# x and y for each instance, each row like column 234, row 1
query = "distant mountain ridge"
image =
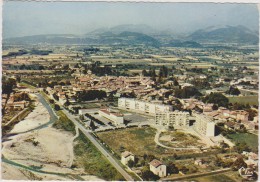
column 133, row 35
column 109, row 38
column 225, row 34
column 140, row 28
column 190, row 44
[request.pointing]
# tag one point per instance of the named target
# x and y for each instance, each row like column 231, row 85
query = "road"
column 156, row 140
column 253, row 91
column 89, row 136
column 196, row 175
column 98, row 146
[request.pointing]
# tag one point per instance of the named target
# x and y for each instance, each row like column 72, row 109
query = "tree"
column 239, row 162
column 150, row 157
column 92, row 125
column 233, row 91
column 56, row 107
column 55, row 96
column 172, row 168
column 67, row 103
column 8, row 85
column 81, row 117
column 184, row 169
column 131, row 163
column 51, row 101
column 251, row 114
column 163, row 72
column 187, row 92
column 147, row 175
column 90, row 95
column 175, row 82
column 215, row 107
column 122, row 148
column 216, row 98
column 18, row 79
column 240, row 147
column 201, row 83
column 21, row 97
column 144, row 73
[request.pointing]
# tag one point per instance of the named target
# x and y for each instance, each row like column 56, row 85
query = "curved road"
column 156, row 139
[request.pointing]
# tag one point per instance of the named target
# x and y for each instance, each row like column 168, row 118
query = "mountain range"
column 143, row 34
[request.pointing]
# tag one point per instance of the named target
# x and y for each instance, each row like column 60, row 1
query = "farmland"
column 251, row 100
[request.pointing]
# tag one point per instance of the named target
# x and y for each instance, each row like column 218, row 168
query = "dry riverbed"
column 47, row 149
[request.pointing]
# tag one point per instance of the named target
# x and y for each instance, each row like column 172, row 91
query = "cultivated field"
column 250, row 139
column 251, row 100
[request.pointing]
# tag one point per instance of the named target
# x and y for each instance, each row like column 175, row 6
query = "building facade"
column 158, row 168
column 175, row 119
column 204, row 125
column 180, row 120
column 117, row 118
column 142, row 106
column 126, row 157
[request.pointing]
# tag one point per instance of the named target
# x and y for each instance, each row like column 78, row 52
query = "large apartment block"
column 204, row 125
column 176, row 119
column 143, row 106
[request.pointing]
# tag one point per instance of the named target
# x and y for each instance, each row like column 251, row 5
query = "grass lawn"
column 27, row 85
column 250, row 139
column 64, row 122
column 93, row 162
column 251, row 100
column 231, row 176
column 139, row 141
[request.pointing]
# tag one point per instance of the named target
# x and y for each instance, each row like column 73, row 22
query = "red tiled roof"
column 126, row 154
column 156, row 163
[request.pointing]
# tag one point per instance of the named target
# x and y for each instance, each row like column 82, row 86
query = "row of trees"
column 90, row 95
column 94, row 119
column 216, row 98
column 163, row 72
column 233, row 91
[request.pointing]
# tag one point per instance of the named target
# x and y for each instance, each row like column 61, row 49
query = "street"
column 99, row 147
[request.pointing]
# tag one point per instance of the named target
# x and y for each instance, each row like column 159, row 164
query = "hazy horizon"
column 78, row 18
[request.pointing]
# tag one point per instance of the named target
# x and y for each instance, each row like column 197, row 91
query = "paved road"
column 253, row 91
column 196, row 175
column 99, row 147
column 156, row 140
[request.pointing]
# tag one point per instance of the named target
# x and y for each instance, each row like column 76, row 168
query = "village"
column 171, row 121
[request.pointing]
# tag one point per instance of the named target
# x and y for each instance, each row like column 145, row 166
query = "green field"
column 250, row 139
column 251, row 100
column 93, row 162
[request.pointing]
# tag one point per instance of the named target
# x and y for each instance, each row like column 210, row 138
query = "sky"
column 34, row 18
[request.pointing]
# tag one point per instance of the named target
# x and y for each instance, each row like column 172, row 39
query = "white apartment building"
column 117, row 118
column 204, row 125
column 177, row 119
column 142, row 106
